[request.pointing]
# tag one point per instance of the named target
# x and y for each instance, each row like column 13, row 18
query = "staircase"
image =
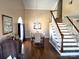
column 70, row 45
column 64, row 39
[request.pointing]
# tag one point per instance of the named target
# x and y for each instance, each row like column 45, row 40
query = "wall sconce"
column 70, row 1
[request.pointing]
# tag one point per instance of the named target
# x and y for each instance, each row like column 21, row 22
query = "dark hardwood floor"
column 48, row 52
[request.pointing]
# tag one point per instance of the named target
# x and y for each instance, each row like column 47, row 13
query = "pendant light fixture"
column 36, row 23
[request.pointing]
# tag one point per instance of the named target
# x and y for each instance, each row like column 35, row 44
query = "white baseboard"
column 30, row 37
column 27, row 37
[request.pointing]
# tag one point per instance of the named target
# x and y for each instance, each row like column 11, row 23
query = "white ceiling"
column 40, row 4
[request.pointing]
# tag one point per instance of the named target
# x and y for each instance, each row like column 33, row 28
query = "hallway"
column 33, row 52
column 48, row 52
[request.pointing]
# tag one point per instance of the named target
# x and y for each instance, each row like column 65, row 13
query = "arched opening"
column 21, row 34
column 21, row 31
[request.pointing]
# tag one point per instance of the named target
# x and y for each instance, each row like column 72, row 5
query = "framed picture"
column 7, row 24
column 37, row 26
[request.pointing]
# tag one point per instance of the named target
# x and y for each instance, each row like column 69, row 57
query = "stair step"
column 71, row 48
column 60, row 23
column 69, row 54
column 68, row 41
column 71, row 51
column 68, row 36
column 69, row 44
column 63, row 28
column 67, row 33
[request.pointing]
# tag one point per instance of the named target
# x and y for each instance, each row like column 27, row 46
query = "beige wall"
column 43, row 15
column 70, row 9
column 13, row 8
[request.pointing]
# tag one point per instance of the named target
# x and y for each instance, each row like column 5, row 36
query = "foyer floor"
column 48, row 52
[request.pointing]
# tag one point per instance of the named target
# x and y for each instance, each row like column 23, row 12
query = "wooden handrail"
column 72, row 24
column 59, row 30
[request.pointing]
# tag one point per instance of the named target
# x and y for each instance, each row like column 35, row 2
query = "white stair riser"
column 74, row 44
column 71, row 48
column 69, row 44
column 69, row 40
column 69, row 54
column 63, row 28
column 68, row 36
column 67, row 33
column 62, row 25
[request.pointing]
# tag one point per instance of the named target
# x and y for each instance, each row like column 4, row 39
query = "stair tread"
column 71, row 51
column 60, row 26
column 67, row 33
column 63, row 28
column 71, row 48
column 60, row 23
column 69, row 44
column 68, row 41
column 69, row 54
column 68, row 38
